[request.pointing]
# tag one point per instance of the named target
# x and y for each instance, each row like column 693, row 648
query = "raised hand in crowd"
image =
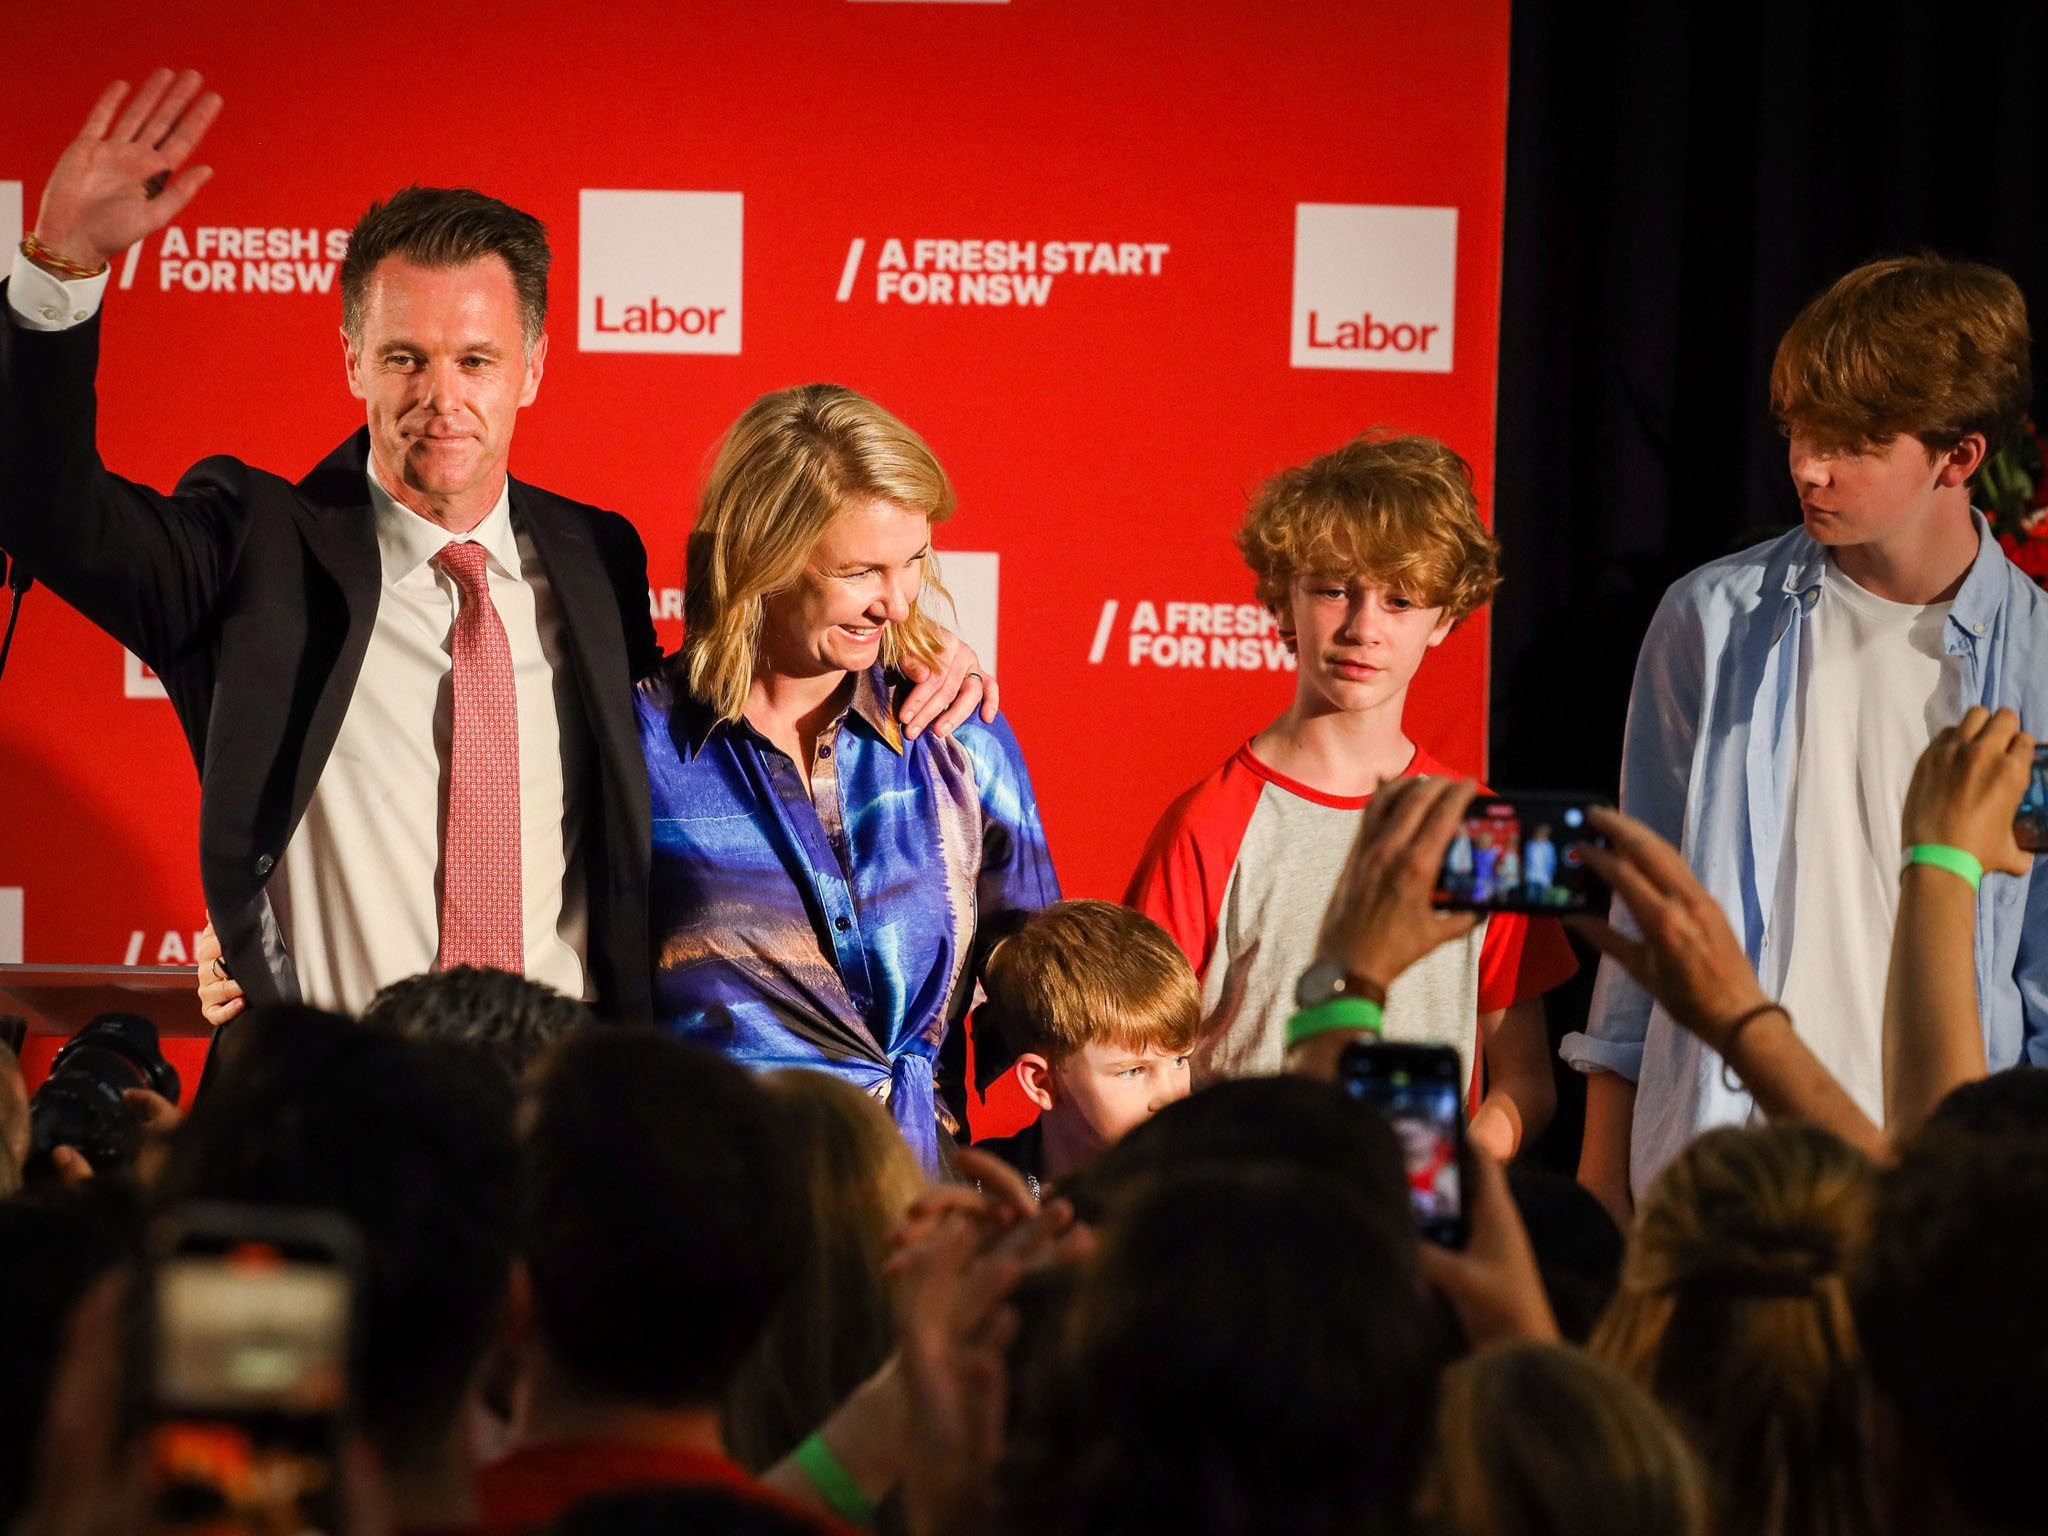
column 1965, row 791
column 955, row 1323
column 120, row 179
column 1690, row 960
column 1493, row 1282
column 1379, row 920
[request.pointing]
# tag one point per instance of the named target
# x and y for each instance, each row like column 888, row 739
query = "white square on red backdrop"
column 659, row 271
column 1375, row 286
column 10, row 217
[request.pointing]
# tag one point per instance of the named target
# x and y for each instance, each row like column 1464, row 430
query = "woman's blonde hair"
column 1733, row 1312
column 1539, row 1439
column 834, row 1327
column 795, row 460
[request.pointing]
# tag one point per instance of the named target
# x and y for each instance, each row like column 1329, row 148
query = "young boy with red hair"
column 1368, row 557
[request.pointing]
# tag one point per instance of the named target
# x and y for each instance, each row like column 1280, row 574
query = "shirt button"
column 842, row 923
column 265, row 865
column 52, row 312
column 83, row 314
column 824, row 752
column 1977, row 629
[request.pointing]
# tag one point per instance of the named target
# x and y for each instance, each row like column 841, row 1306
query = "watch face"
column 1318, row 984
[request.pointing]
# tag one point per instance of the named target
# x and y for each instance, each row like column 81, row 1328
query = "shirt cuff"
column 1589, row 1053
column 42, row 301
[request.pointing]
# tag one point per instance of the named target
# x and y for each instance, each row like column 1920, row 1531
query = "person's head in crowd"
column 1949, row 1307
column 509, row 1016
column 1381, row 535
column 1249, row 1350
column 663, row 1221
column 51, row 1250
column 1099, row 1009
column 1578, row 1247
column 2013, row 1101
column 14, row 1125
column 1733, row 1311
column 412, row 1142
column 1892, row 386
column 1289, row 1121
column 1545, row 1440
column 834, row 1327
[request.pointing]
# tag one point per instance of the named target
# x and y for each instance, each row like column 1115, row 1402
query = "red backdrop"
column 1180, row 325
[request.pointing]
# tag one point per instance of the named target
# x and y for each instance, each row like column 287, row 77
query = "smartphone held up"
column 248, row 1351
column 1420, row 1090
column 1522, row 853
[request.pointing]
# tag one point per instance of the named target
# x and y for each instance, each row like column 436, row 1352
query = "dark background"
column 1681, row 178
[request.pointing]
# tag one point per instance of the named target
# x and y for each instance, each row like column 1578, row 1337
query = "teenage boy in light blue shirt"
column 1784, row 693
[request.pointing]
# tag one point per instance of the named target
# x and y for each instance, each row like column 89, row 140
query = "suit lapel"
column 589, row 606
column 340, row 530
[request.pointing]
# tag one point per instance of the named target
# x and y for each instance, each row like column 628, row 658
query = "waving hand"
column 120, row 179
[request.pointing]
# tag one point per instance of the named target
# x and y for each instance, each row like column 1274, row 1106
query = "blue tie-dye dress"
column 834, row 929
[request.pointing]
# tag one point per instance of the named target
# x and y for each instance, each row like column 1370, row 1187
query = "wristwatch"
column 1328, row 979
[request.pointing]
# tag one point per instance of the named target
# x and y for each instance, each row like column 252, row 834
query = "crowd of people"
column 584, row 1147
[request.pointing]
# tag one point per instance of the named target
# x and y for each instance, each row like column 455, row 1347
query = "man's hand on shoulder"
column 121, row 178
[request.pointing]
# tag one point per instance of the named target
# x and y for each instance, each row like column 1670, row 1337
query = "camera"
column 80, row 1104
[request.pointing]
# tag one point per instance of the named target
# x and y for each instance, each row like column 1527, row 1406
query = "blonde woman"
column 823, row 888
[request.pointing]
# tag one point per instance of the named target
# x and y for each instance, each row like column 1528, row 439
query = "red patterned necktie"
column 482, row 914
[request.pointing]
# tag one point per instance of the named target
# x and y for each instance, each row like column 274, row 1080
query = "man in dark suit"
column 405, row 679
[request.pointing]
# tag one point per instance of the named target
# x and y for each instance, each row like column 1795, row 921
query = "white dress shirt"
column 355, row 894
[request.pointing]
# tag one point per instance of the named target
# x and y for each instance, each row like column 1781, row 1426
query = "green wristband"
column 834, row 1483
column 1956, row 861
column 1335, row 1013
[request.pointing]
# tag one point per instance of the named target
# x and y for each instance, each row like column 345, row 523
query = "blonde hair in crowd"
column 1396, row 508
column 1542, row 1439
column 834, row 1328
column 795, row 460
column 1079, row 972
column 1733, row 1312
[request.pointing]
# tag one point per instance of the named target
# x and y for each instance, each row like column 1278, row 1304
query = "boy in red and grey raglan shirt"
column 1368, row 557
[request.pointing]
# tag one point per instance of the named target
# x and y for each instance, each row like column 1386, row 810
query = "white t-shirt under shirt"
column 1874, row 687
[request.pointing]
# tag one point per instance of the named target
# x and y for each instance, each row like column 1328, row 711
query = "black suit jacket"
column 253, row 599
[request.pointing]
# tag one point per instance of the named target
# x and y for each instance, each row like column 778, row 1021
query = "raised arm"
column 1679, row 948
column 124, row 177
column 143, row 566
column 1966, row 789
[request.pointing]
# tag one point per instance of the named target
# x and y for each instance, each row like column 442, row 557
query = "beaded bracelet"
column 50, row 261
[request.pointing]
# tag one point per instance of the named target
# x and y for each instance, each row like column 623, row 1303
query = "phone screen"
column 1521, row 853
column 249, row 1388
column 2030, row 826
column 1420, row 1091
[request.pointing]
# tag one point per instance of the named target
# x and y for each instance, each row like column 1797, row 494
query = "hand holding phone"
column 1970, row 790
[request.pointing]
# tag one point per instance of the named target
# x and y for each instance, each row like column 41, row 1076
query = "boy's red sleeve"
column 1521, row 957
column 1186, row 866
